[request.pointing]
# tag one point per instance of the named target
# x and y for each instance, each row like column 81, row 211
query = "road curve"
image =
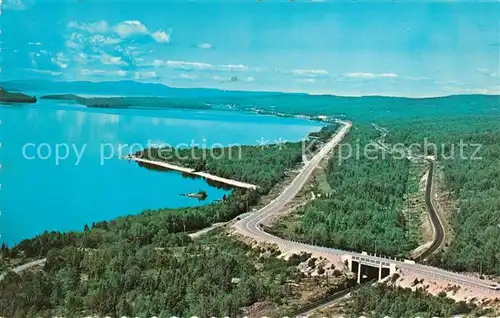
column 24, row 267
column 437, row 225
column 250, row 226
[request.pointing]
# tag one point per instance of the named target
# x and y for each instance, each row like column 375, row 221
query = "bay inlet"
column 40, row 194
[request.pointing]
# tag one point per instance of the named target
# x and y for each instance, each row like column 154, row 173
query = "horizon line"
column 256, row 91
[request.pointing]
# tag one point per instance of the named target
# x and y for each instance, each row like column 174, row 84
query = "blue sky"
column 350, row 48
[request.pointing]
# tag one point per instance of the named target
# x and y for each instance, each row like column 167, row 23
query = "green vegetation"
column 415, row 209
column 130, row 102
column 263, row 166
column 364, row 210
column 359, row 109
column 8, row 97
column 384, row 300
column 172, row 276
column 149, row 227
column 365, row 109
column 146, row 264
column 474, row 184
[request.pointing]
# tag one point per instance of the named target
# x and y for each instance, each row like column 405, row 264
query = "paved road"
column 251, row 226
column 437, row 225
column 26, row 266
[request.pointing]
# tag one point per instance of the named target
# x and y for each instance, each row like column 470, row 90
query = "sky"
column 343, row 48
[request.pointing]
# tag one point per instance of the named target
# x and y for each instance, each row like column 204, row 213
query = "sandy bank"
column 191, row 171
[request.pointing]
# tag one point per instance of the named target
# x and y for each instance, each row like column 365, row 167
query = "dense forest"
column 385, row 300
column 473, row 180
column 10, row 97
column 367, row 108
column 263, row 165
column 364, row 210
column 148, row 227
column 171, row 276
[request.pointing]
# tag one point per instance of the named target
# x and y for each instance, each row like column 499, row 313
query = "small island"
column 200, row 195
column 8, row 97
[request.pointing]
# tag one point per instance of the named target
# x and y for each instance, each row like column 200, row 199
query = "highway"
column 252, row 227
column 437, row 225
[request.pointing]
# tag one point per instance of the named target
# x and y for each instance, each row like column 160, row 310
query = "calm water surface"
column 40, row 194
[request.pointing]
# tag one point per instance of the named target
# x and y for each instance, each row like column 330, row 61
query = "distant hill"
column 9, row 97
column 121, row 88
column 366, row 108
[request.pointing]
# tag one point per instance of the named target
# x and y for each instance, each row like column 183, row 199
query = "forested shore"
column 263, row 165
column 146, row 264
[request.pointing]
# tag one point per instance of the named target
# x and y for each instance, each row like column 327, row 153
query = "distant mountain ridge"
column 123, row 88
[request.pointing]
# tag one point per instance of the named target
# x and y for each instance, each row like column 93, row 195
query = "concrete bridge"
column 367, row 268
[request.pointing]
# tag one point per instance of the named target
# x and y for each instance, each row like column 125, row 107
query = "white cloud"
column 76, row 41
column 94, row 27
column 111, row 60
column 370, row 75
column 487, row 72
column 32, row 56
column 60, row 60
column 205, row 46
column 81, row 58
column 99, row 39
column 49, row 72
column 188, row 76
column 161, row 36
column 145, row 75
column 130, row 27
column 306, row 80
column 232, row 67
column 87, row 72
column 472, row 90
column 16, row 4
column 310, row 72
column 226, row 79
column 183, row 65
column 191, row 66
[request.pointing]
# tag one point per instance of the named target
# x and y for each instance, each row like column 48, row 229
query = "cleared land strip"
column 191, row 171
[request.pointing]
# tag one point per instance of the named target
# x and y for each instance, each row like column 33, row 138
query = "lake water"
column 42, row 194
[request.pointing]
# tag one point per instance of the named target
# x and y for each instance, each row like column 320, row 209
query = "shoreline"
column 191, row 171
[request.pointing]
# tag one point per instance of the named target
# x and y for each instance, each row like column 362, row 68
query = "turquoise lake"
column 41, row 194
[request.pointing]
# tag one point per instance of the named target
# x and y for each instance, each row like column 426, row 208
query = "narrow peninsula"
column 129, row 102
column 8, row 97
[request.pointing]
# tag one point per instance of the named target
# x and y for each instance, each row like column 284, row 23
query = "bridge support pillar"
column 380, row 272
column 392, row 269
column 359, row 274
